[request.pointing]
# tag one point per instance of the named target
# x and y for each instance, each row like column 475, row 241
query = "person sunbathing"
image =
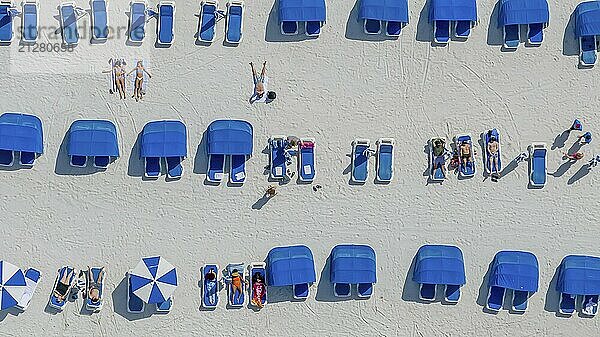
column 258, row 289
column 439, row 150
column 211, row 278
column 236, row 283
column 259, row 81
column 493, row 148
column 139, row 80
column 63, row 286
column 465, row 152
column 95, row 285
column 118, row 72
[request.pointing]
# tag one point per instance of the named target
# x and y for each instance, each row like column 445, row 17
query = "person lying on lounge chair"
column 259, row 81
column 236, row 282
column 439, row 151
column 63, row 286
column 211, row 275
column 258, row 289
column 94, row 289
column 139, row 80
column 492, row 148
column 465, row 152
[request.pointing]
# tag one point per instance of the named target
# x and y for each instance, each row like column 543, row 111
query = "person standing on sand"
column 586, row 138
column 139, row 80
column 270, row 192
column 576, row 126
column 573, row 157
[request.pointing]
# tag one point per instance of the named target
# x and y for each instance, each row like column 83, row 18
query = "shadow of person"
column 260, row 203
column 495, row 35
column 582, row 172
column 560, row 140
column 563, row 168
column 570, row 43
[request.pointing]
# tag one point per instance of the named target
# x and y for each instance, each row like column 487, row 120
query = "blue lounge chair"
column 101, row 161
column 278, row 165
column 210, row 288
column 208, row 20
column 137, row 21
column 495, row 298
column 30, row 21
column 68, row 19
column 372, row 26
column 462, row 29
column 166, row 22
column 95, row 278
column 567, row 304
column 289, row 27
column 341, row 289
column 7, row 157
column 174, row 168
column 441, row 31
column 589, row 306
column 385, row 159
column 452, row 293
column 164, row 307
column 32, row 278
column 427, row 292
column 78, row 161
column 55, row 302
column 537, row 167
column 587, row 50
column 135, row 305
column 313, row 28
column 360, row 160
column 306, row 159
column 235, row 298
column 466, row 167
column 235, row 22
column 535, row 33
column 27, row 158
column 152, row 167
column 99, row 20
column 364, row 290
column 519, row 302
column 393, row 28
column 301, row 291
column 258, row 269
column 436, row 172
column 511, row 36
column 237, row 172
column 216, row 168
column 6, row 23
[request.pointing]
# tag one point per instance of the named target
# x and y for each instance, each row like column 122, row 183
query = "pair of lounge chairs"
column 210, row 14
column 138, row 15
column 100, row 162
column 361, row 151
column 568, row 302
column 495, row 299
column 588, row 46
column 312, row 28
column 216, row 168
column 279, row 153
column 428, row 292
column 69, row 14
column 29, row 25
column 535, row 35
column 363, row 290
column 136, row 305
column 7, row 158
column 392, row 28
column 537, row 165
column 442, row 30
column 7, row 12
column 152, row 167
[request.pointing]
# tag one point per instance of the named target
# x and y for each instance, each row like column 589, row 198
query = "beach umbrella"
column 153, row 280
column 12, row 285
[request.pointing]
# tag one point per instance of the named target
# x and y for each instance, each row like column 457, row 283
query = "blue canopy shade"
column 515, row 270
column 453, row 10
column 230, row 137
column 93, row 138
column 291, row 265
column 439, row 264
column 353, row 264
column 587, row 19
column 579, row 275
column 302, row 10
column 384, row 10
column 164, row 139
column 521, row 12
column 20, row 132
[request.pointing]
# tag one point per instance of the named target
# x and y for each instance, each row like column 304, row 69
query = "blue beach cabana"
column 163, row 139
column 22, row 134
column 463, row 13
column 393, row 12
column 228, row 138
column 353, row 264
column 311, row 12
column 291, row 266
column 579, row 276
column 587, row 27
column 92, row 138
column 514, row 270
column 439, row 264
column 533, row 13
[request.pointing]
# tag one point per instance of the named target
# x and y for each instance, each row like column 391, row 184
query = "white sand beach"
column 334, row 88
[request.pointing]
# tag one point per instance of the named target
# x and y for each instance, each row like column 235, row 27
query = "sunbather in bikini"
column 94, row 286
column 63, row 286
column 465, row 153
column 258, row 289
column 139, row 80
column 236, row 283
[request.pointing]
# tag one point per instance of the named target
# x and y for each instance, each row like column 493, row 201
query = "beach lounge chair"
column 210, row 288
column 441, row 31
column 237, row 172
column 78, row 161
column 360, row 160
column 341, row 290
column 372, row 26
column 495, row 298
column 137, row 21
column 208, row 20
column 7, row 157
column 306, row 159
column 29, row 24
column 462, row 29
column 101, row 161
column 519, row 301
column 27, row 158
column 234, row 26
column 151, row 167
column 6, row 22
column 235, row 299
column 258, row 268
column 511, row 36
column 452, row 293
column 393, row 28
column 32, row 278
column 166, row 22
column 566, row 305
column 216, row 168
column 68, row 20
column 535, row 33
column 95, row 277
column 427, row 292
column 385, row 159
column 54, row 301
column 537, row 166
column 313, row 28
column 289, row 27
column 278, row 165
column 99, row 19
column 466, row 169
column 164, row 307
column 587, row 50
column 174, row 168
column 135, row 305
column 301, row 291
column 589, row 306
column 364, row 290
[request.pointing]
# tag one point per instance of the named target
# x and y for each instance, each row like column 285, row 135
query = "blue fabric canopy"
column 579, row 275
column 521, row 12
column 453, row 10
column 164, row 139
column 302, row 10
column 93, row 138
column 229, row 137
column 385, row 10
column 291, row 265
column 20, row 132
column 587, row 19
column 439, row 264
column 515, row 270
column 353, row 264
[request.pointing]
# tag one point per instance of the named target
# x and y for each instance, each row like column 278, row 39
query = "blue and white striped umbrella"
column 153, row 280
column 12, row 285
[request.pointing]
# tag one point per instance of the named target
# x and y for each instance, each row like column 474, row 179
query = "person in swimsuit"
column 465, row 153
column 259, row 82
column 211, row 278
column 118, row 73
column 258, row 289
column 63, row 286
column 139, row 80
column 439, row 150
column 94, row 287
column 236, row 283
column 493, row 147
